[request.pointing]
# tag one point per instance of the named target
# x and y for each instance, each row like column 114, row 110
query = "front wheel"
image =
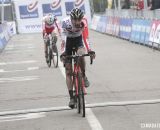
column 81, row 95
column 49, row 56
column 55, row 56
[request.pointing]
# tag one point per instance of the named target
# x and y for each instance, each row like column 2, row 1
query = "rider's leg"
column 54, row 37
column 45, row 49
column 68, row 68
column 54, row 40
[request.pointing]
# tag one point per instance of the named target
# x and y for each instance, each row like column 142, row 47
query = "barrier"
column 5, row 34
column 94, row 22
column 125, row 28
column 144, row 32
column 2, row 37
column 154, row 36
column 109, row 25
column 11, row 28
column 138, row 30
column 116, row 26
column 29, row 13
column 101, row 24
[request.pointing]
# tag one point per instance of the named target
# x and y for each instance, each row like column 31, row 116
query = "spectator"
column 155, row 4
column 126, row 4
column 140, row 5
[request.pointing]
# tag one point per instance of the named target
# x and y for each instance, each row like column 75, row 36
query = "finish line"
column 94, row 105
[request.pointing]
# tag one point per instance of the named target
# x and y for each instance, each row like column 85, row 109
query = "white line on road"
column 32, row 68
column 19, row 45
column 88, row 112
column 91, row 118
column 22, row 117
column 12, row 71
column 94, row 123
column 18, row 62
column 18, row 79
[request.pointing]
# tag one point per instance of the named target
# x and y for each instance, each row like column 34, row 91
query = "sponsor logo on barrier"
column 54, row 7
column 36, row 26
column 80, row 4
column 155, row 32
column 29, row 11
column 69, row 6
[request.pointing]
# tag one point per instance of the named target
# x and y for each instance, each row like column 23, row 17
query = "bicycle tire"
column 81, row 95
column 76, row 97
column 55, row 56
column 49, row 57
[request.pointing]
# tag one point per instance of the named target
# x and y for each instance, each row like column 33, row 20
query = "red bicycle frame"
column 75, row 72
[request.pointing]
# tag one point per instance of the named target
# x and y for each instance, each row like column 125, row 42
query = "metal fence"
column 6, row 12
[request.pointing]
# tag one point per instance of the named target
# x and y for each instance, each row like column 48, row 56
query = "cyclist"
column 49, row 24
column 74, row 35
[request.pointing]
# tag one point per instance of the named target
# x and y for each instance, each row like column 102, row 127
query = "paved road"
column 122, row 71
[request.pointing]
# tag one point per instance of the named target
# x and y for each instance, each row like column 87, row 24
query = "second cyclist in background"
column 49, row 25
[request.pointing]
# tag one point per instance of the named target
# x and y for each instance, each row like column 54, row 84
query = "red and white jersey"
column 69, row 30
column 49, row 28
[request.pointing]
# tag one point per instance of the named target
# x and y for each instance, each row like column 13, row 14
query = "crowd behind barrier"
column 7, row 30
column 138, row 30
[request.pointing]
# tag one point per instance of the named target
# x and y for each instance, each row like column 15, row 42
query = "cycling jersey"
column 70, row 31
column 49, row 28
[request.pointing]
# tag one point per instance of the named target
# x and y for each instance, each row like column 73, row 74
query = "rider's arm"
column 63, row 37
column 43, row 26
column 85, row 35
column 57, row 26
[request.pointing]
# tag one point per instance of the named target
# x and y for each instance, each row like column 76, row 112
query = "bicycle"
column 52, row 52
column 78, row 82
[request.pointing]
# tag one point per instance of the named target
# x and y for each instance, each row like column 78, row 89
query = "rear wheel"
column 55, row 56
column 81, row 95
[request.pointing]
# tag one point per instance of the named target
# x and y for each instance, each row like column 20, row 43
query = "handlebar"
column 77, row 56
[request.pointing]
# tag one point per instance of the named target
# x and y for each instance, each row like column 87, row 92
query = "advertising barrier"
column 109, row 25
column 143, row 31
column 30, row 13
column 136, row 30
column 116, row 26
column 11, row 28
column 95, row 21
column 101, row 24
column 148, row 29
column 125, row 28
column 154, row 36
column 4, row 35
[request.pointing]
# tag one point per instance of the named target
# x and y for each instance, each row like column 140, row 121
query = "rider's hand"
column 92, row 54
column 62, row 45
column 45, row 37
column 62, row 57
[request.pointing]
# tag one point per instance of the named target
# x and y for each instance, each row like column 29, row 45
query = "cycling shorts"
column 72, row 44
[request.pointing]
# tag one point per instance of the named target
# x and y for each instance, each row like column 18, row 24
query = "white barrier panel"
column 29, row 13
column 95, row 21
column 11, row 28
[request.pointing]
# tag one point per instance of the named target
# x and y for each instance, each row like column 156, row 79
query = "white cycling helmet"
column 49, row 19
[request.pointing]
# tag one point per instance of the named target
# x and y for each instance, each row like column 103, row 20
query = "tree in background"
column 99, row 5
